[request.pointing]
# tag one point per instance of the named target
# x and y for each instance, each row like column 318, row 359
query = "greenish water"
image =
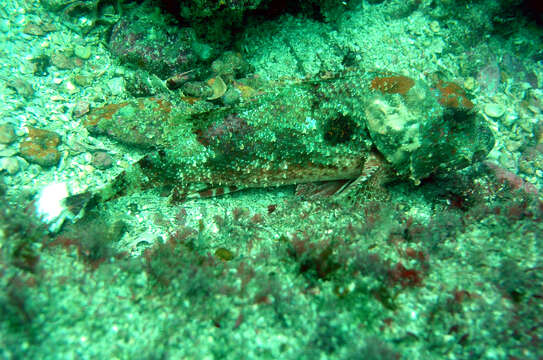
column 263, row 180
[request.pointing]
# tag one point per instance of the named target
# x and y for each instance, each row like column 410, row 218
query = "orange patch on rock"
column 393, row 84
column 191, row 100
column 163, row 105
column 105, row 112
column 41, row 147
column 453, row 96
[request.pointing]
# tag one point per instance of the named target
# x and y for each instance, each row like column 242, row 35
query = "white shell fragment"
column 50, row 205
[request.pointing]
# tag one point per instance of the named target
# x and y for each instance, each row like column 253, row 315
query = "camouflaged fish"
column 336, row 127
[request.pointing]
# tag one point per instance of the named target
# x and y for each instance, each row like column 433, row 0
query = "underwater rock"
column 62, row 61
column 10, row 165
column 41, row 147
column 494, row 110
column 101, row 160
column 33, row 29
column 163, row 51
column 7, row 134
column 81, row 108
column 83, row 52
column 214, row 20
column 21, row 87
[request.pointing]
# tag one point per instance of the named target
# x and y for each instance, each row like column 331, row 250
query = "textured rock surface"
column 164, row 51
column 41, row 147
column 7, row 134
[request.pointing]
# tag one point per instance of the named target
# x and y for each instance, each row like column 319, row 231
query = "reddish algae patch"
column 41, row 147
column 453, row 96
column 104, row 112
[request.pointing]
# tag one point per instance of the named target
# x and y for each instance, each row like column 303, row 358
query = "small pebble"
column 494, row 110
column 33, row 29
column 116, row 86
column 513, row 145
column 81, row 108
column 434, row 26
column 527, row 124
column 62, row 62
column 510, row 119
column 4, row 25
column 7, row 134
column 69, row 87
column 82, row 80
column 101, row 160
column 48, row 27
column 8, row 152
column 22, row 87
column 224, row 254
column 526, row 168
column 507, row 162
column 82, row 52
column 9, row 164
column 469, row 83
